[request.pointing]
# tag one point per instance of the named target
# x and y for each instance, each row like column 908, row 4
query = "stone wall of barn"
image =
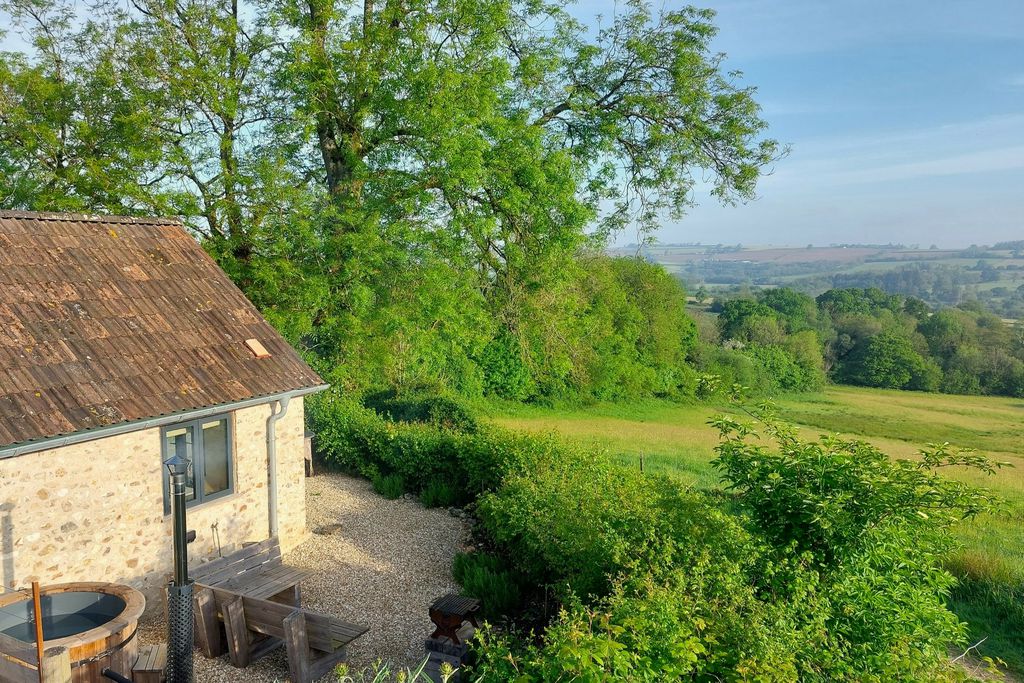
column 94, row 511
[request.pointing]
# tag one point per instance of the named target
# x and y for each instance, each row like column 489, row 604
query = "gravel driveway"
column 377, row 562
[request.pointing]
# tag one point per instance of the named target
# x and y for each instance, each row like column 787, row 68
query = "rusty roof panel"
column 107, row 319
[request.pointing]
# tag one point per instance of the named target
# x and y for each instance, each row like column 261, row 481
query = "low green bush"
column 822, row 564
column 353, row 438
column 418, row 406
column 873, row 529
column 825, row 565
column 390, row 486
column 356, row 439
column 439, row 494
column 578, row 522
column 487, row 578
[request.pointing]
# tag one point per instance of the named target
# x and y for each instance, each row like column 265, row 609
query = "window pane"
column 215, row 457
column 179, row 442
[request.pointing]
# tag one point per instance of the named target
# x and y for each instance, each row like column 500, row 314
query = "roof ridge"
column 88, row 218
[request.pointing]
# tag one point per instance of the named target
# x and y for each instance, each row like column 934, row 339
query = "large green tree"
column 72, row 138
column 398, row 184
column 504, row 136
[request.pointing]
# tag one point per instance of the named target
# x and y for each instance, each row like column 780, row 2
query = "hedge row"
column 357, row 439
column 658, row 582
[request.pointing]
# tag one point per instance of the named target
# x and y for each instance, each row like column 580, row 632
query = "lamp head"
column 177, row 464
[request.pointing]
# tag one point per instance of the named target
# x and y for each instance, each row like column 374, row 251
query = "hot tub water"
column 64, row 614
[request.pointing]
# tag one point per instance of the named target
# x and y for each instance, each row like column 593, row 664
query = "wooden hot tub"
column 96, row 622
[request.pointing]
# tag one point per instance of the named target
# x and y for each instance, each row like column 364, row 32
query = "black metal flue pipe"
column 180, row 532
column 179, row 593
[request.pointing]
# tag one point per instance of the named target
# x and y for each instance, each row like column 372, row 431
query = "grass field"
column 676, row 439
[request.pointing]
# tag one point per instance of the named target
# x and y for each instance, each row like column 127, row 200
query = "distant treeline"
column 867, row 337
column 938, row 284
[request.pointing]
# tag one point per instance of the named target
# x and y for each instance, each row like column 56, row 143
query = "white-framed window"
column 208, row 447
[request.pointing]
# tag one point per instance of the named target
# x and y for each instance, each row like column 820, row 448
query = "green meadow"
column 675, row 439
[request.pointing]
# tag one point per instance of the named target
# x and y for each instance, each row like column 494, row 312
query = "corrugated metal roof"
column 107, row 319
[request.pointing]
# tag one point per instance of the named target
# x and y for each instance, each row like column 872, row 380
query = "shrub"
column 733, row 367
column 656, row 631
column 872, row 528
column 356, row 439
column 416, row 406
column 505, row 370
column 782, row 369
column 485, row 577
column 389, row 485
column 577, row 521
column 439, row 493
column 349, row 436
column 824, row 565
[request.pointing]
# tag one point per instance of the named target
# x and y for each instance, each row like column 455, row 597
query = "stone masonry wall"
column 94, row 511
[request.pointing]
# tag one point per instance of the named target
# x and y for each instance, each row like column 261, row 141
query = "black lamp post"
column 179, row 592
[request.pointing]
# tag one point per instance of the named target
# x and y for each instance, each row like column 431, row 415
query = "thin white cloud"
column 986, row 145
column 982, row 161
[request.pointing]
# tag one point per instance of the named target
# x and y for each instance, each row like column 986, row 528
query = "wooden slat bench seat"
column 254, row 626
column 151, row 663
column 256, row 570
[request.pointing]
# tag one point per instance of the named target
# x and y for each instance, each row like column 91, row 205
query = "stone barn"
column 122, row 343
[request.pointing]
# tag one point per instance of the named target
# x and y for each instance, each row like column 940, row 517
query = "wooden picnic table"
column 249, row 603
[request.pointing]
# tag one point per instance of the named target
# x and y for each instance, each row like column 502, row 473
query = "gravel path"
column 377, row 562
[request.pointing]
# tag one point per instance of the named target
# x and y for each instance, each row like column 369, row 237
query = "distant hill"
column 992, row 275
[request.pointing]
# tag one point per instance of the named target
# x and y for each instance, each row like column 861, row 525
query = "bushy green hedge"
column 824, row 565
column 356, row 439
column 422, row 406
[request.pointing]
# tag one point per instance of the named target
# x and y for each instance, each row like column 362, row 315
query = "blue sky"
column 905, row 119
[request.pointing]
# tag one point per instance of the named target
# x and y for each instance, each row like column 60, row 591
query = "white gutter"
column 149, row 423
column 278, row 409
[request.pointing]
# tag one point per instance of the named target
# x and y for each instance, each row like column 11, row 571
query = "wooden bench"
column 256, row 570
column 151, row 664
column 315, row 643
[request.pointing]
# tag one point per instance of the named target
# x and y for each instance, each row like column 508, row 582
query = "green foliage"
column 77, row 133
column 413, row 193
column 889, row 360
column 505, row 372
column 740, row 319
column 353, row 438
column 390, row 486
column 873, row 529
column 422, row 406
column 385, row 672
column 825, row 566
column 683, row 629
column 824, row 496
column 487, row 578
column 828, row 569
column 439, row 493
column 782, row 370
column 851, row 301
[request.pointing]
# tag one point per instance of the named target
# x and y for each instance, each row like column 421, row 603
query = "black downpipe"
column 114, row 676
